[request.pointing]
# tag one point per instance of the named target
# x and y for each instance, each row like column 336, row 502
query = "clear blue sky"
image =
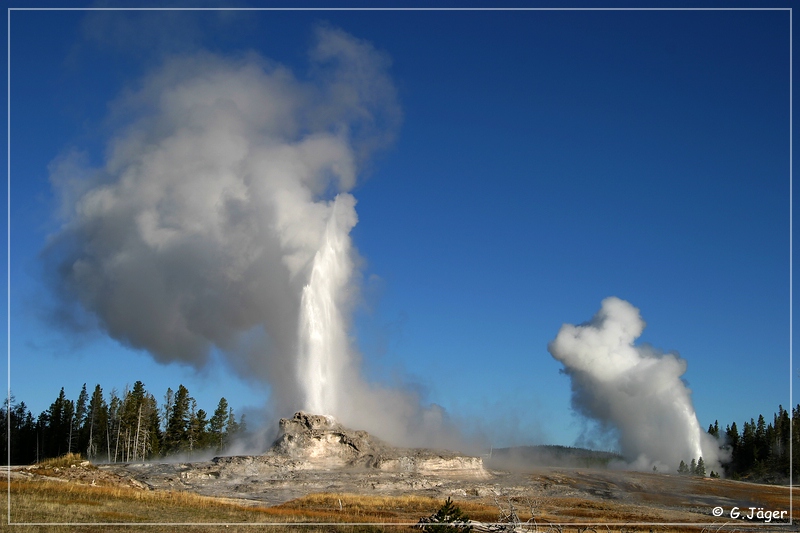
column 546, row 160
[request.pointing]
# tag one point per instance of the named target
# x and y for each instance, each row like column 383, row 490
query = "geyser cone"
column 321, row 442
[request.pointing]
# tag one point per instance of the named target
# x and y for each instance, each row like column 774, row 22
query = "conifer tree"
column 114, row 428
column 192, row 430
column 17, row 422
column 781, row 441
column 175, row 438
column 153, row 425
column 78, row 419
column 23, row 433
column 732, row 433
column 198, row 430
column 242, row 425
column 169, row 398
column 448, row 519
column 96, row 425
column 217, row 425
column 231, row 428
column 134, row 422
column 53, row 428
column 748, row 453
column 732, row 439
column 762, row 449
column 700, row 469
column 67, row 425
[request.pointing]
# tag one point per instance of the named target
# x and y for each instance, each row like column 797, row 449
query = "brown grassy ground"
column 48, row 501
column 58, row 492
column 69, row 504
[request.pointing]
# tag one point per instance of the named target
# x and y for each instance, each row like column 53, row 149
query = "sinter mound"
column 319, row 441
column 314, row 453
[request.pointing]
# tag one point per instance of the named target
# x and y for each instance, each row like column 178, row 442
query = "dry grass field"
column 67, row 495
column 70, row 504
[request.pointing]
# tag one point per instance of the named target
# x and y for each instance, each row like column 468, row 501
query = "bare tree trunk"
column 116, row 444
column 136, row 441
column 127, row 445
column 90, row 451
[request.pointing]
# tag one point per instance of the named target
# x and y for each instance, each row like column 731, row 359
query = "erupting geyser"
column 220, row 220
column 324, row 350
column 632, row 389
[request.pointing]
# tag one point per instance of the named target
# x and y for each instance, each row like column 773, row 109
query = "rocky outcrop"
column 431, row 462
column 319, row 441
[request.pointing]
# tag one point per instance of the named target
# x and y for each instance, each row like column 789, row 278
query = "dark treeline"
column 760, row 452
column 127, row 427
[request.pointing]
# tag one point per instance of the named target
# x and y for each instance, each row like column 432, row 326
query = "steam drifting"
column 632, row 389
column 220, row 219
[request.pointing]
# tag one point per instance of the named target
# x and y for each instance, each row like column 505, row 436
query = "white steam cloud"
column 221, row 218
column 633, row 389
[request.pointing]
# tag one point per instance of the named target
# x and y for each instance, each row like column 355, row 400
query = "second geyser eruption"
column 634, row 390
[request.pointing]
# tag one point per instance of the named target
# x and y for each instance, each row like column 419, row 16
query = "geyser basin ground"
column 559, row 495
column 315, row 454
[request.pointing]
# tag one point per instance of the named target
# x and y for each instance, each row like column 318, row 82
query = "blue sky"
column 546, row 160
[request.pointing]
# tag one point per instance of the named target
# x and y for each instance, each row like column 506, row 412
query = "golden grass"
column 65, row 461
column 583, row 510
column 773, row 497
column 49, row 502
column 386, row 509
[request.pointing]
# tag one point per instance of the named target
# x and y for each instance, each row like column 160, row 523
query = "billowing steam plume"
column 220, row 219
column 632, row 389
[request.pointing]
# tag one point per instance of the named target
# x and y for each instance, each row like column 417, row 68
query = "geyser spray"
column 634, row 390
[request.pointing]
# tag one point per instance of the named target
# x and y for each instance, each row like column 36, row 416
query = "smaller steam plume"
column 634, row 390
